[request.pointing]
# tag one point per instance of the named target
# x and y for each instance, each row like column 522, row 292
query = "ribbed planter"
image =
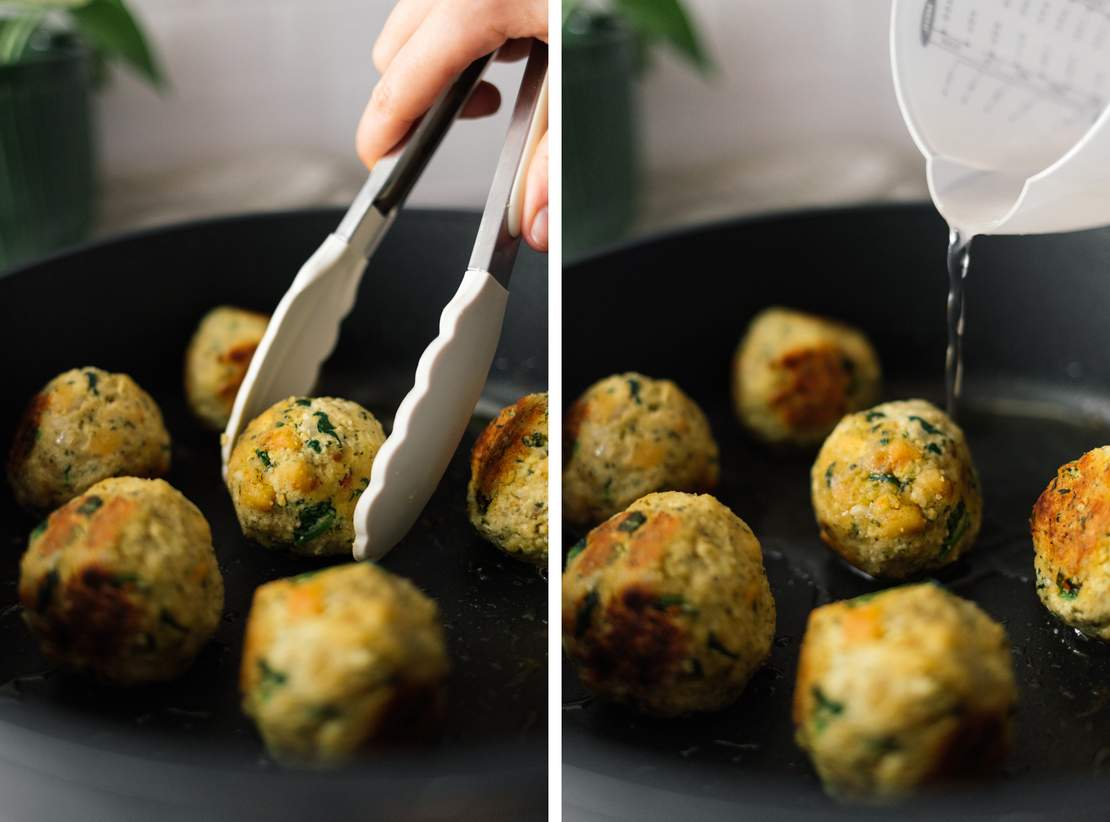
column 46, row 153
column 600, row 151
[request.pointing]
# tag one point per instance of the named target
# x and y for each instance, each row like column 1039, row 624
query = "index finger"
column 446, row 42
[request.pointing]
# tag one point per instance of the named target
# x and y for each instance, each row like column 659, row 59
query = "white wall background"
column 800, row 111
column 264, row 99
column 265, row 96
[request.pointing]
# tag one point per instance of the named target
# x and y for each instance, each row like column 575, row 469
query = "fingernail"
column 538, row 232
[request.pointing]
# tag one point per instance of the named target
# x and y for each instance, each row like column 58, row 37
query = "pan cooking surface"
column 710, row 765
column 493, row 609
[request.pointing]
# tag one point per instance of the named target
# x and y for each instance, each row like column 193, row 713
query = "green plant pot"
column 600, row 151
column 46, row 153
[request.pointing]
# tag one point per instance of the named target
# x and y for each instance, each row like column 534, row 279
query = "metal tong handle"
column 393, row 177
column 498, row 235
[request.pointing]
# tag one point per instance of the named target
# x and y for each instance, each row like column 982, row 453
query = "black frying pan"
column 70, row 749
column 1038, row 368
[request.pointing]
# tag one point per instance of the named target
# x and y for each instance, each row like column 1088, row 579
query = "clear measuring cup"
column 1009, row 101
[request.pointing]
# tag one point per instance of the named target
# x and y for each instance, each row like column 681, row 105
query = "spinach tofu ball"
column 795, row 375
column 666, row 606
column 297, row 471
column 895, row 491
column 507, row 494
column 122, row 582
column 1071, row 541
column 338, row 658
column 84, row 426
column 900, row 689
column 629, row 435
column 216, row 361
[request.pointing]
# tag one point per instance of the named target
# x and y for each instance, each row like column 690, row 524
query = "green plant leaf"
column 45, row 5
column 568, row 9
column 16, row 33
column 109, row 28
column 665, row 20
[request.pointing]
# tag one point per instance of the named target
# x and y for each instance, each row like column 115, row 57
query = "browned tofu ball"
column 666, row 606
column 629, row 435
column 507, row 494
column 1071, row 540
column 84, row 426
column 900, row 689
column 122, row 582
column 795, row 375
column 217, row 360
column 895, row 490
column 337, row 659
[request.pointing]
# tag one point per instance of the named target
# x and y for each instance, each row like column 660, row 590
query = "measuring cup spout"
column 1010, row 109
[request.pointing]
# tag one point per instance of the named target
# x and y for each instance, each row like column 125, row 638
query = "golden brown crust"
column 795, row 374
column 502, row 443
column 506, row 498
column 1070, row 526
column 236, row 360
column 814, row 391
column 1072, row 515
column 641, row 644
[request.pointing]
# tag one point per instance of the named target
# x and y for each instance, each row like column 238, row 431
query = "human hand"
column 423, row 47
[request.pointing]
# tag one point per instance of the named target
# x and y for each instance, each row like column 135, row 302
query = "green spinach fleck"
column 632, row 522
column 715, row 644
column 363, row 484
column 824, row 709
column 534, row 440
column 305, row 402
column 314, row 445
column 264, row 457
column 575, row 550
column 829, row 474
column 893, row 480
column 314, row 521
column 926, row 426
column 875, row 415
column 585, row 614
column 956, row 527
column 1066, row 588
column 90, row 505
column 92, row 378
column 271, row 680
column 934, row 448
column 324, row 426
column 666, row 601
column 634, row 390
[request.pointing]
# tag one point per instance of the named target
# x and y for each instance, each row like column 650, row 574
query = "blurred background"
column 752, row 106
column 257, row 110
